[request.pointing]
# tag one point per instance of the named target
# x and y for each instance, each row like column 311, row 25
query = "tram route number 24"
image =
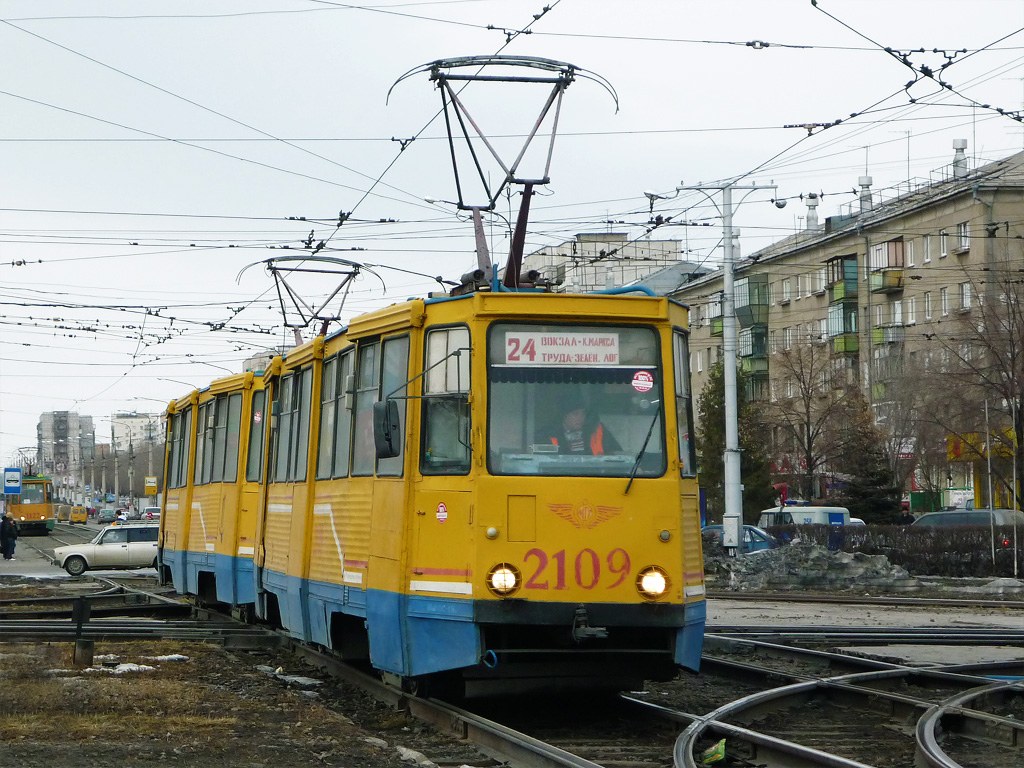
column 586, row 569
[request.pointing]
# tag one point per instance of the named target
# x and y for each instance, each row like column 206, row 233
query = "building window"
column 943, row 244
column 908, row 252
column 928, row 305
column 944, row 301
column 911, row 310
column 963, row 236
column 897, row 312
column 700, row 360
column 965, row 295
column 927, row 240
column 773, row 341
column 786, row 291
column 715, row 306
column 787, row 338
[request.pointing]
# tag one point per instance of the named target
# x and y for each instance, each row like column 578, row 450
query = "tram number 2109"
column 586, row 569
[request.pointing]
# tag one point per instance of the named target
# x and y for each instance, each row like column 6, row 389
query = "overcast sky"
column 152, row 150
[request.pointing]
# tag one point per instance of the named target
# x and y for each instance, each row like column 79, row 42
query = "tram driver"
column 580, row 431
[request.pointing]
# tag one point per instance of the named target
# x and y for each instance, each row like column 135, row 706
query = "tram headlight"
column 652, row 583
column 504, row 579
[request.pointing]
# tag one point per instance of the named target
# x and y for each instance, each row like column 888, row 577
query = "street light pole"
column 732, row 520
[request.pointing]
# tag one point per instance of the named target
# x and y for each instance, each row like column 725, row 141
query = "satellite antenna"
column 461, row 127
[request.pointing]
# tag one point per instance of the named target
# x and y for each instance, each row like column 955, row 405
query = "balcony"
column 886, row 281
column 845, row 343
column 754, row 364
column 845, row 289
column 716, row 326
column 887, row 334
column 752, row 314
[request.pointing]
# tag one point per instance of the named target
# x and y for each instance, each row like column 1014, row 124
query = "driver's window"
column 446, row 421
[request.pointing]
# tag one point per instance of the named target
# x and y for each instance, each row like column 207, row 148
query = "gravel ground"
column 192, row 704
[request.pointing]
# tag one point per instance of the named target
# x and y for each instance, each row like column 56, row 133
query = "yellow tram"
column 34, row 510
column 495, row 489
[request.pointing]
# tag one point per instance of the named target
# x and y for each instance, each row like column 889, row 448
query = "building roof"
column 1008, row 172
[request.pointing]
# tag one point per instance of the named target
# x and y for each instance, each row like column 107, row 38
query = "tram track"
column 796, row 705
column 1015, row 602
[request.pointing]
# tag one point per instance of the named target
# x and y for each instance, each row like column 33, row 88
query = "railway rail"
column 1013, row 602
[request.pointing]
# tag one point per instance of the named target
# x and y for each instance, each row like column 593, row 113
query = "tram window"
column 684, row 405
column 220, row 428
column 328, row 402
column 445, row 404
column 257, row 428
column 394, row 378
column 282, row 438
column 231, row 438
column 335, row 418
column 180, row 432
column 204, row 443
column 545, row 378
column 367, row 392
column 33, row 493
column 343, row 426
column 300, row 442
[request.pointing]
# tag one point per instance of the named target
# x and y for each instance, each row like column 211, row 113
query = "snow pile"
column 801, row 566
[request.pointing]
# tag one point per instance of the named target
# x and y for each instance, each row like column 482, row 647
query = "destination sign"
column 561, row 348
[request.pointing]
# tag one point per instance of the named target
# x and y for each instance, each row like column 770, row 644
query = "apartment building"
column 872, row 286
column 595, row 261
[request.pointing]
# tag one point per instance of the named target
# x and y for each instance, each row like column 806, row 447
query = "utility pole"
column 131, row 471
column 113, row 447
column 732, row 520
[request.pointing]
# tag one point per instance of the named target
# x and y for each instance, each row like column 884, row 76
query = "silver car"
column 120, row 546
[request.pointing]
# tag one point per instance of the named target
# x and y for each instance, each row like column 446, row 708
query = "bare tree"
column 809, row 389
column 977, row 360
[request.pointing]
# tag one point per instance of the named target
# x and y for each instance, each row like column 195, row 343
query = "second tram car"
column 496, row 488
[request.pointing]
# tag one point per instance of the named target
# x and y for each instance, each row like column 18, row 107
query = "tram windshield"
column 33, row 493
column 583, row 400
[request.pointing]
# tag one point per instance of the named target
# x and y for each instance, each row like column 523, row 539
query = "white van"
column 804, row 516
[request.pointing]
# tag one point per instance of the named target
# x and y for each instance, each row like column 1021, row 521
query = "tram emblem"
column 585, row 515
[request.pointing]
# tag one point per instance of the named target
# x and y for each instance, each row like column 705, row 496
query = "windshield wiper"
column 643, row 448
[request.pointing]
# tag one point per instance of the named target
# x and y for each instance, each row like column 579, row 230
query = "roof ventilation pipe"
column 812, row 210
column 959, row 158
column 865, row 193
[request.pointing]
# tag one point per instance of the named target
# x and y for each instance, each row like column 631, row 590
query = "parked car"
column 754, row 539
column 151, row 513
column 985, row 517
column 120, row 546
column 107, row 515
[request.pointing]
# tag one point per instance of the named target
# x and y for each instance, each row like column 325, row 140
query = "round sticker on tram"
column 643, row 381
column 442, row 512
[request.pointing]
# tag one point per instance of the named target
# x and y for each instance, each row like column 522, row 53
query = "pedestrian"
column 8, row 537
column 905, row 518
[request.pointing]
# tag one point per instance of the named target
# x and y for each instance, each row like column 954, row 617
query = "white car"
column 120, row 546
